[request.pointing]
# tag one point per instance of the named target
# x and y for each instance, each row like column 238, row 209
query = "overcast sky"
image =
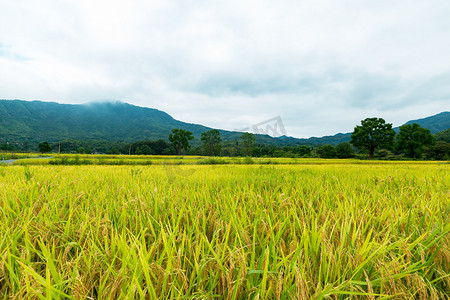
column 322, row 66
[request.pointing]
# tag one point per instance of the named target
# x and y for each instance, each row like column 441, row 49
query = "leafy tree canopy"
column 81, row 150
column 45, row 147
column 212, row 142
column 248, row 139
column 413, row 139
column 374, row 133
column 344, row 150
column 440, row 151
column 327, row 151
column 180, row 139
column 443, row 136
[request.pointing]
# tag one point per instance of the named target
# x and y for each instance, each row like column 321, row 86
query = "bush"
column 248, row 161
column 384, row 154
column 213, row 161
column 345, row 150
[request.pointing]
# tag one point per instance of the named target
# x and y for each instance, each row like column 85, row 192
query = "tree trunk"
column 371, row 151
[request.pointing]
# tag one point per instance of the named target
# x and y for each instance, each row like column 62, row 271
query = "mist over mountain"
column 36, row 121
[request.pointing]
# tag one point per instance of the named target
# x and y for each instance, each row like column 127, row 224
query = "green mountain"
column 50, row 121
column 36, row 121
column 436, row 123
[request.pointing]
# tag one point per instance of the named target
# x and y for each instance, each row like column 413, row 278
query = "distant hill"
column 436, row 123
column 36, row 121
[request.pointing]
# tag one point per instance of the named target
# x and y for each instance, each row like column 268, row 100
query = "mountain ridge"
column 36, row 121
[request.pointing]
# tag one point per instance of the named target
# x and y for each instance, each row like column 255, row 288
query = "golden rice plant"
column 298, row 231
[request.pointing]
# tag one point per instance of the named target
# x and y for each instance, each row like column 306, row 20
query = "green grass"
column 321, row 230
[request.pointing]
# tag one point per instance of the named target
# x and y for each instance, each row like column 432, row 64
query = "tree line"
column 373, row 138
column 374, row 134
column 412, row 140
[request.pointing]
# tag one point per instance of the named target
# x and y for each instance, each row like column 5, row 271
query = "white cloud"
column 321, row 65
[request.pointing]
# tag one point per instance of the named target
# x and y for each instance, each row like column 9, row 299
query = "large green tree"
column 45, row 147
column 248, row 139
column 440, row 151
column 81, row 150
column 413, row 139
column 212, row 142
column 180, row 139
column 374, row 133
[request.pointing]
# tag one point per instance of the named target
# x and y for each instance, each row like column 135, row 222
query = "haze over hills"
column 36, row 121
column 51, row 121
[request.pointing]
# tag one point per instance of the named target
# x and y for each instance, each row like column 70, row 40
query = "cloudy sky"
column 320, row 65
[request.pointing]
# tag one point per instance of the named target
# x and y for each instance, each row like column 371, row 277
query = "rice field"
column 145, row 160
column 298, row 229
